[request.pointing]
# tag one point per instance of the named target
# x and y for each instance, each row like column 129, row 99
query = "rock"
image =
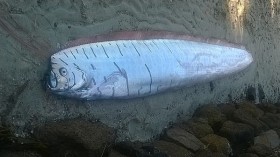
column 271, row 119
column 209, row 153
column 76, row 137
column 11, row 145
column 276, row 152
column 114, row 153
column 198, row 127
column 13, row 153
column 217, row 144
column 260, row 150
column 213, row 115
column 251, row 108
column 227, row 109
column 138, row 149
column 244, row 116
column 185, row 138
column 269, row 138
column 248, row 155
column 172, row 149
column 267, row 107
column 237, row 132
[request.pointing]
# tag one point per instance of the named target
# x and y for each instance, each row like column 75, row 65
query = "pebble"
column 185, row 138
column 269, row 138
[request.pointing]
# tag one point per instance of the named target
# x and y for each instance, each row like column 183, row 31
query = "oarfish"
column 137, row 64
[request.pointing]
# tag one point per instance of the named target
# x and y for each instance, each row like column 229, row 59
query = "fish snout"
column 52, row 80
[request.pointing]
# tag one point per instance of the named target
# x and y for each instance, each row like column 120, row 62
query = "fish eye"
column 63, row 71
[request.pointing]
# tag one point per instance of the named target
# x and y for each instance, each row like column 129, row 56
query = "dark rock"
column 248, row 155
column 251, row 108
column 237, row 132
column 172, row 149
column 198, row 127
column 227, row 109
column 276, row 152
column 114, row 153
column 19, row 154
column 267, row 107
column 217, row 144
column 138, row 149
column 185, row 138
column 271, row 119
column 244, row 116
column 209, row 153
column 260, row 150
column 16, row 145
column 213, row 115
column 269, row 138
column 76, row 137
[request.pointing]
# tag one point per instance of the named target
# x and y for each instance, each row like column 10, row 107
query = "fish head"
column 65, row 78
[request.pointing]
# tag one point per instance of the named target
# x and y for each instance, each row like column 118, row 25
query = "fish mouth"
column 52, row 80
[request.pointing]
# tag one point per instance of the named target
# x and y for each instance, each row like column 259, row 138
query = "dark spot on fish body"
column 119, row 49
column 105, row 51
column 139, row 91
column 113, row 94
column 74, row 79
column 100, row 93
column 63, row 61
column 77, row 66
column 93, row 67
column 155, row 44
column 73, row 54
column 83, row 77
column 135, row 49
column 167, row 47
column 92, row 51
column 65, row 54
column 151, row 79
column 93, row 80
column 117, row 67
column 158, row 87
column 147, row 47
column 85, row 53
column 77, row 51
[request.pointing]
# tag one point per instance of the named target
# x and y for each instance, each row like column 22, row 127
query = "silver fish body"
column 136, row 68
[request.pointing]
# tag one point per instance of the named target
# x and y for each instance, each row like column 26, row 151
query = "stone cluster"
column 245, row 130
